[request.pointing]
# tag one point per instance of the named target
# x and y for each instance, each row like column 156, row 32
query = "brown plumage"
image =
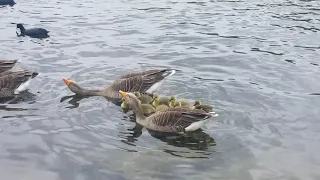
column 12, row 83
column 176, row 119
column 146, row 81
column 13, row 79
column 6, row 65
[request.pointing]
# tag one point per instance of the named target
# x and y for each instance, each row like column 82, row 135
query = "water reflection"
column 197, row 141
column 24, row 96
column 8, row 108
column 254, row 61
column 131, row 135
column 75, row 100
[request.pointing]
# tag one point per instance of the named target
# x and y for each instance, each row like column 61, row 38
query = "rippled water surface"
column 257, row 62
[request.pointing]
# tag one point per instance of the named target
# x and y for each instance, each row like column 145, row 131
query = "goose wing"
column 12, row 80
column 175, row 119
column 140, row 81
column 144, row 73
column 6, row 65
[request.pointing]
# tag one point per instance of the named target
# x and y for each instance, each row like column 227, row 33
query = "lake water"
column 257, row 62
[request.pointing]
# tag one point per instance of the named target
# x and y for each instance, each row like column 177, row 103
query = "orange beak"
column 67, row 81
column 124, row 94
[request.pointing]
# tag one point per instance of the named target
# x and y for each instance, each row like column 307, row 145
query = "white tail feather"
column 171, row 73
column 213, row 114
column 23, row 86
column 159, row 84
column 196, row 125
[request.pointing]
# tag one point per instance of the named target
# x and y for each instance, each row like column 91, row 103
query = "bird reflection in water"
column 25, row 96
column 198, row 143
column 76, row 98
column 197, row 140
column 131, row 135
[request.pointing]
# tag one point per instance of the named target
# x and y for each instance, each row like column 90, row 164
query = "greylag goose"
column 13, row 79
column 174, row 120
column 144, row 82
column 204, row 107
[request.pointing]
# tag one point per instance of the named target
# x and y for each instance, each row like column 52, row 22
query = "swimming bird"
column 174, row 120
column 34, row 32
column 162, row 107
column 7, row 2
column 144, row 82
column 12, row 83
column 173, row 101
column 205, row 107
column 178, row 104
column 144, row 98
column 160, row 101
column 147, row 109
column 13, row 79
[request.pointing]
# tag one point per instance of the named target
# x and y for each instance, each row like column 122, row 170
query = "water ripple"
column 255, row 62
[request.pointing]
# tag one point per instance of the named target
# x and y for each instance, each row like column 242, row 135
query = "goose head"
column 131, row 100
column 172, row 101
column 22, row 29
column 196, row 103
column 156, row 100
column 137, row 94
column 72, row 85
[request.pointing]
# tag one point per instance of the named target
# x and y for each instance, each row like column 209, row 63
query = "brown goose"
column 174, row 120
column 13, row 79
column 15, row 82
column 144, row 82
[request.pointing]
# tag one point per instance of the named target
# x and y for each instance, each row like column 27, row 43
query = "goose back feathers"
column 175, row 119
column 145, row 82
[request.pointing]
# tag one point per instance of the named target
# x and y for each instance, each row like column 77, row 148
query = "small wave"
column 270, row 52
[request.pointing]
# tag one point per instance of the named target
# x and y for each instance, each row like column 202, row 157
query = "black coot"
column 7, row 2
column 34, row 32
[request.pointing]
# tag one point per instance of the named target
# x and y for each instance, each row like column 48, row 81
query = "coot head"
column 20, row 26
